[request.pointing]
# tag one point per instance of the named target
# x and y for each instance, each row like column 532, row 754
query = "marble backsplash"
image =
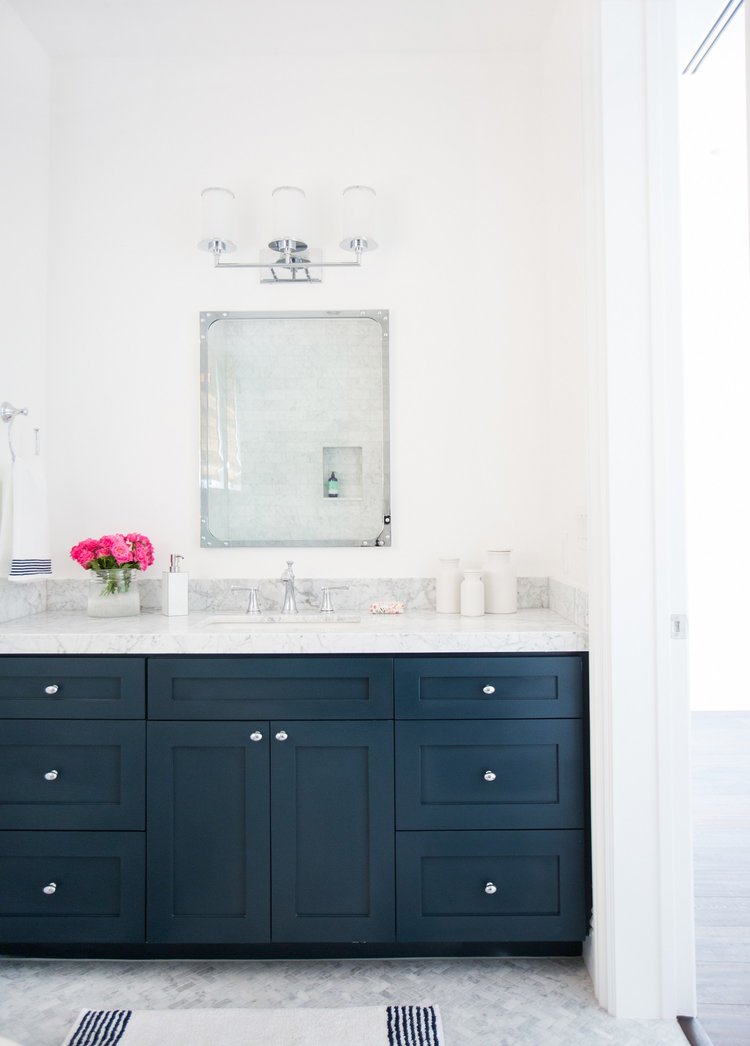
column 569, row 602
column 17, row 599
column 350, row 594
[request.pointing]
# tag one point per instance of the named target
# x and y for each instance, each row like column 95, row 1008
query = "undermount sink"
column 251, row 621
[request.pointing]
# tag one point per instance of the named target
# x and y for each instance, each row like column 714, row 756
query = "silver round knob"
column 489, row 689
column 51, row 689
column 282, row 735
column 490, row 888
column 49, row 889
column 256, row 736
column 489, row 775
column 51, row 775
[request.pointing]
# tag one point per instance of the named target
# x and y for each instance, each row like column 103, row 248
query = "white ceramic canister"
column 500, row 583
column 448, row 587
column 472, row 594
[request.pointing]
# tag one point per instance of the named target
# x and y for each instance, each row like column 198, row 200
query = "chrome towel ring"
column 9, row 413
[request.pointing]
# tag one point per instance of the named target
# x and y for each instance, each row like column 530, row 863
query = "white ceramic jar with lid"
column 472, row 594
column 500, row 583
column 448, row 587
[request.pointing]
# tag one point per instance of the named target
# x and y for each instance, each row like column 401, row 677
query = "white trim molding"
column 641, row 955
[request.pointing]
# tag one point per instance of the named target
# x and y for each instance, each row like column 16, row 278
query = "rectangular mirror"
column 294, row 428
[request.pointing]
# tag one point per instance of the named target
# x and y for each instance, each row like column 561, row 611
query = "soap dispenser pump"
column 174, row 589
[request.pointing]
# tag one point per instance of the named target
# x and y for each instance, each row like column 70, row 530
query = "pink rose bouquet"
column 124, row 552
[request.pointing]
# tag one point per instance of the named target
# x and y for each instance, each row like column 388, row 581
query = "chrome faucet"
column 290, row 601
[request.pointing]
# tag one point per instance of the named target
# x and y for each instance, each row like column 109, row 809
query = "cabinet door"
column 208, row 832
column 72, row 687
column 72, row 774
column 333, row 841
column 491, row 886
column 263, row 687
column 500, row 686
column 71, row 887
column 489, row 773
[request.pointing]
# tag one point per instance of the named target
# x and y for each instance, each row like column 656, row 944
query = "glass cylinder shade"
column 359, row 218
column 289, row 229
column 217, row 219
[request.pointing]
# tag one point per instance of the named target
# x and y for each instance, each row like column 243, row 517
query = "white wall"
column 24, row 187
column 563, row 289
column 457, row 146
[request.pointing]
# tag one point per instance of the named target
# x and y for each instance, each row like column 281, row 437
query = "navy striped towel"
column 30, row 539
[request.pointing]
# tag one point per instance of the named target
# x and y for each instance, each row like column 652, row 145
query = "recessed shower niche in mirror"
column 294, row 428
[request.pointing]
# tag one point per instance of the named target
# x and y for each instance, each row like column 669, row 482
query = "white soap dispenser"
column 174, row 589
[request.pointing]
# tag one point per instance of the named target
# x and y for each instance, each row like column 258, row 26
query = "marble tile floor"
column 495, row 1002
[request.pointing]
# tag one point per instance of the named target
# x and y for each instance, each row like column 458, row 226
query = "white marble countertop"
column 73, row 632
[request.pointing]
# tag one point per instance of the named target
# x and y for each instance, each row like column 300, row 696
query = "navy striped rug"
column 412, row 1026
column 100, row 1027
column 353, row 1026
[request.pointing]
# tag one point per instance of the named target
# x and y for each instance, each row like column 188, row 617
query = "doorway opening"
column 716, row 337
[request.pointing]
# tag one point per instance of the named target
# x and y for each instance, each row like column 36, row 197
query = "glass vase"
column 113, row 593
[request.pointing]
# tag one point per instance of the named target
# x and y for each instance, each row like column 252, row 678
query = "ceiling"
column 216, row 28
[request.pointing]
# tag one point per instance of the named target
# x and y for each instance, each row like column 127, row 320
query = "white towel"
column 30, row 539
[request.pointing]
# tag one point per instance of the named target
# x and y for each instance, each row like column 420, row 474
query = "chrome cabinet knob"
column 490, row 888
column 282, row 735
column 489, row 689
column 51, row 775
column 489, row 775
column 51, row 689
column 256, row 736
column 49, row 889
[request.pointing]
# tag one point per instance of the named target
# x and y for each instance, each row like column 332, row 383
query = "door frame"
column 641, row 952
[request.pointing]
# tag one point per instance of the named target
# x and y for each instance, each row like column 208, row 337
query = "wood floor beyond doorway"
column 721, row 826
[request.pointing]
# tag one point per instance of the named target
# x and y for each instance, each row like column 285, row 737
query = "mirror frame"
column 379, row 540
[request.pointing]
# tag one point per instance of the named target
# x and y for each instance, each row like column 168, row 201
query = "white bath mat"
column 356, row 1026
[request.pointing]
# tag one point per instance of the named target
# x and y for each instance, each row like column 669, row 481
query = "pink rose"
column 114, row 550
column 143, row 550
column 83, row 552
column 121, row 549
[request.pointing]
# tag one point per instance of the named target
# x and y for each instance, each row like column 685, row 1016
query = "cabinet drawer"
column 72, row 775
column 94, row 883
column 72, row 687
column 489, row 774
column 499, row 687
column 270, row 687
column 445, row 886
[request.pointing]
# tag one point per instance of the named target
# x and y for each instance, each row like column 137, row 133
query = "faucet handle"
column 253, row 606
column 326, row 607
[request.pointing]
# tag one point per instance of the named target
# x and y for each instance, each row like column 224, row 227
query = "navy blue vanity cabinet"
column 72, row 800
column 294, row 804
column 490, row 799
column 230, row 802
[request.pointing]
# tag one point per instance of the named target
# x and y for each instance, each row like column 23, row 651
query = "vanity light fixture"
column 289, row 258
